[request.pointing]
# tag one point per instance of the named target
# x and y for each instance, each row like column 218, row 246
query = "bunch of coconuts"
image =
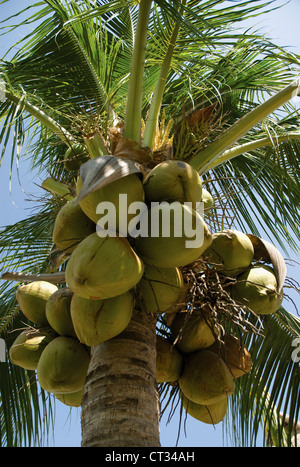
column 194, row 357
column 50, row 345
column 106, row 277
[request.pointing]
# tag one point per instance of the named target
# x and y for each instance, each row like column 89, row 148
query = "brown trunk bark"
column 120, row 406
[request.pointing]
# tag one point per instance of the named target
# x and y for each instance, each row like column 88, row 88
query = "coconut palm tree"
column 150, row 81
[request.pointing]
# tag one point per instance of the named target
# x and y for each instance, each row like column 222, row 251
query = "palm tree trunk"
column 120, row 406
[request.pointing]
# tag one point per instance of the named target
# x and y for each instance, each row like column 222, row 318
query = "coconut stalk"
column 53, row 278
column 57, row 188
column 121, row 389
column 154, row 110
column 251, row 146
column 95, row 145
column 132, row 127
column 204, row 159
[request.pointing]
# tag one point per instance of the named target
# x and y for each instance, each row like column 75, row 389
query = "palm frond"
column 27, row 244
column 272, row 387
column 69, row 59
column 236, row 77
column 210, row 18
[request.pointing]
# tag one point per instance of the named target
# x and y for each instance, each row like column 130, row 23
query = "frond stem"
column 40, row 115
column 54, row 278
column 133, row 116
column 154, row 110
column 251, row 146
column 58, row 188
column 95, row 145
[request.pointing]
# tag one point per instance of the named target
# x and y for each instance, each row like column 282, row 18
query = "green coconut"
column 234, row 353
column 211, row 414
column 131, row 189
column 161, row 289
column 71, row 226
column 205, row 378
column 32, row 299
column 169, row 362
column 173, row 180
column 196, row 330
column 172, row 235
column 231, row 251
column 208, row 201
column 29, row 345
column 257, row 289
column 63, row 366
column 58, row 312
column 75, row 156
column 101, row 268
column 96, row 321
column 72, row 399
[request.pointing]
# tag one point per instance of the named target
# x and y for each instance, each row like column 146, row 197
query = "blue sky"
column 283, row 27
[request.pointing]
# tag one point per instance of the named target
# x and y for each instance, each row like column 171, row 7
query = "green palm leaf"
column 272, row 386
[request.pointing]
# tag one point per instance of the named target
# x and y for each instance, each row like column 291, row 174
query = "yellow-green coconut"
column 75, row 156
column 172, row 235
column 205, row 378
column 131, row 190
column 169, row 362
column 63, row 366
column 161, row 289
column 27, row 348
column 196, row 330
column 58, row 312
column 72, row 399
column 32, row 299
column 235, row 355
column 208, row 201
column 102, row 268
column 257, row 289
column 96, row 321
column 210, row 414
column 173, row 180
column 231, row 251
column 71, row 226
